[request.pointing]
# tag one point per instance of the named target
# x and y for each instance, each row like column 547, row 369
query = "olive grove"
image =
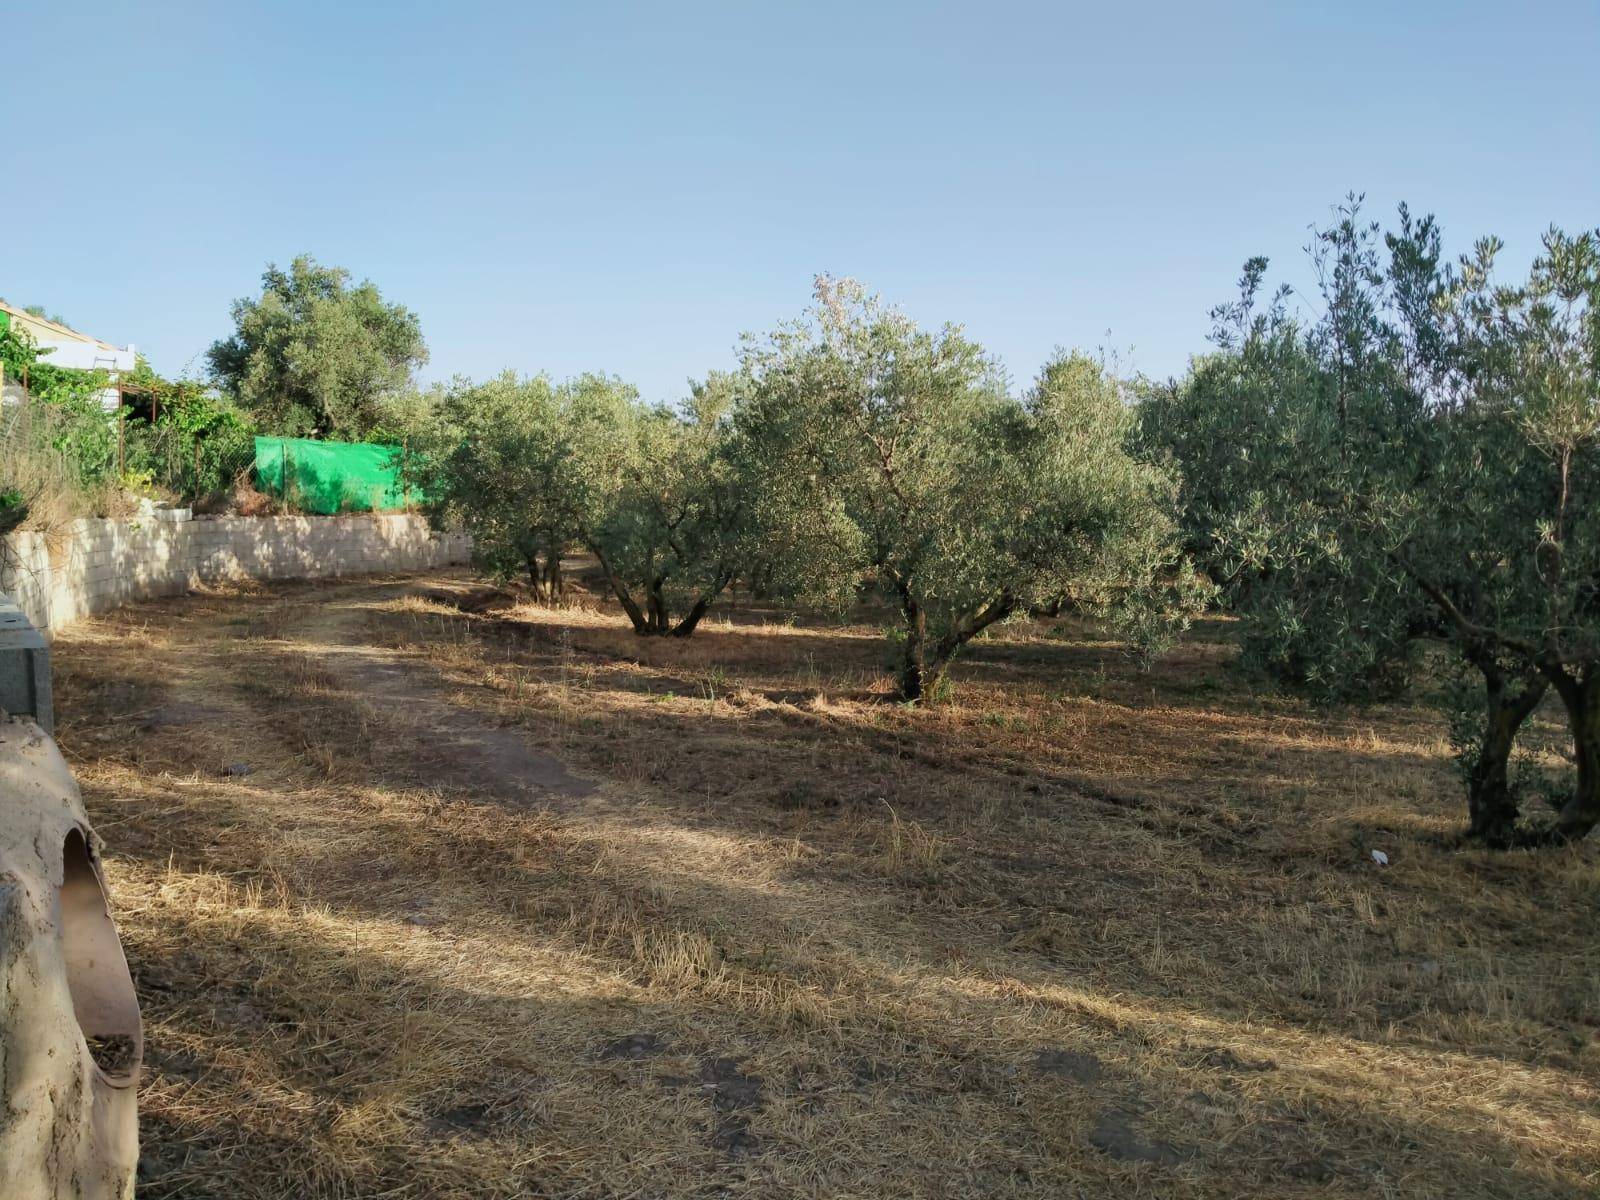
column 1395, row 472
column 849, row 448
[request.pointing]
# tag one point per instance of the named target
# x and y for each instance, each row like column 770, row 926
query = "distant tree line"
column 848, row 445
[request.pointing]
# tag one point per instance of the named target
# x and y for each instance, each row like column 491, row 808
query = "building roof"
column 56, row 327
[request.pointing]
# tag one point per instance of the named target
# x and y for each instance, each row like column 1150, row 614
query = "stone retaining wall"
column 94, row 565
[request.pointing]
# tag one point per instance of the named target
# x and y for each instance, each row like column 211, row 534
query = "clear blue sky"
column 581, row 186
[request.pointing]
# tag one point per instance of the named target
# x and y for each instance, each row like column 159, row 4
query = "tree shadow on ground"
column 1083, row 986
column 321, row 1049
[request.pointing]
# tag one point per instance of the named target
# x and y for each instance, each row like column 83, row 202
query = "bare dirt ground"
column 428, row 903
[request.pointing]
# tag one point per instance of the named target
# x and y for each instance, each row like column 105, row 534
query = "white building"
column 69, row 348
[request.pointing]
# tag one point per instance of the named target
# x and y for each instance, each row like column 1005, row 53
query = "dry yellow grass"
column 1083, row 931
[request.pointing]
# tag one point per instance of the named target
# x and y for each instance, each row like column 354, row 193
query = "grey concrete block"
column 24, row 668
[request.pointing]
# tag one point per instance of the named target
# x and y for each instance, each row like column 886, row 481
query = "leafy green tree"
column 488, row 460
column 697, row 508
column 1506, row 545
column 1307, row 450
column 671, row 538
column 970, row 506
column 671, row 504
column 1400, row 485
column 314, row 355
column 1450, row 510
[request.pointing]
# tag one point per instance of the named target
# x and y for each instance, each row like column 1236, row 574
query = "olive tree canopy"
column 1417, row 464
column 314, row 355
column 970, row 505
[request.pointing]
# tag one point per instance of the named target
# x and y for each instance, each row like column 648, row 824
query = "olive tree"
column 316, row 355
column 672, row 535
column 1402, row 488
column 969, row 505
column 690, row 506
column 673, row 504
column 1357, row 445
column 1508, row 550
column 489, row 462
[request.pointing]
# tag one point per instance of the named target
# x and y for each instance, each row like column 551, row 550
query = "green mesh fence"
column 332, row 477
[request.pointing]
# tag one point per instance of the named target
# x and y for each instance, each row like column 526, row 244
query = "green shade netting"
column 331, row 477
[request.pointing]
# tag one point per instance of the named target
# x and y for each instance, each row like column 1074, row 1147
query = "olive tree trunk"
column 1492, row 806
column 1581, row 813
column 914, row 681
column 654, row 617
column 927, row 659
column 636, row 615
column 536, row 582
column 555, row 583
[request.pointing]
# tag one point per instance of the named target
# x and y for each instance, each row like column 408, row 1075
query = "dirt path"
column 451, row 746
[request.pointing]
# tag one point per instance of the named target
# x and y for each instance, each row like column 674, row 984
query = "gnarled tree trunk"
column 654, row 619
column 1508, row 702
column 554, row 582
column 926, row 661
column 620, row 590
column 1581, row 813
column 536, row 585
column 914, row 668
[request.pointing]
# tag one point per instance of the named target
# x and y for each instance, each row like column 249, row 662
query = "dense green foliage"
column 1418, row 464
column 969, row 505
column 314, row 355
column 179, row 435
column 174, row 437
column 1278, row 465
column 848, row 446
column 490, row 459
column 668, row 502
column 59, row 448
column 77, row 428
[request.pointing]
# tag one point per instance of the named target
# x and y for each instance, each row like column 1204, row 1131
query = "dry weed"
column 1082, row 932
